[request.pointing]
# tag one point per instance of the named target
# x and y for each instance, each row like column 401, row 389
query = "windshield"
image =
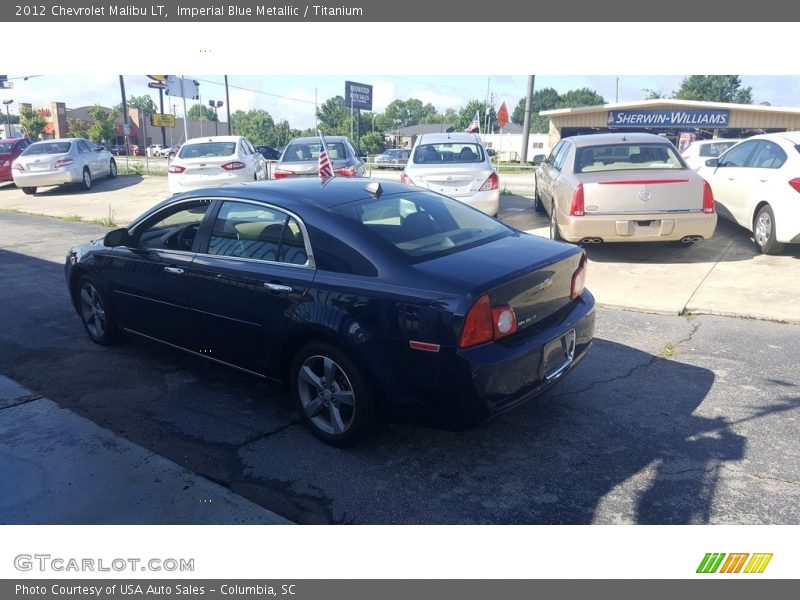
column 47, row 148
column 309, row 151
column 424, row 225
column 206, row 149
column 449, row 153
column 618, row 157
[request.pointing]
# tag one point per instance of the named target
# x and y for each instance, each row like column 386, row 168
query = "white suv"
column 456, row 165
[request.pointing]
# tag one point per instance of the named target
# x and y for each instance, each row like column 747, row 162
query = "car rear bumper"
column 44, row 178
column 638, row 228
column 470, row 386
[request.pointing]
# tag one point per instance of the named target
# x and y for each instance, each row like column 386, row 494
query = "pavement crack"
column 22, row 400
column 707, row 275
column 600, row 382
column 732, row 469
column 264, row 436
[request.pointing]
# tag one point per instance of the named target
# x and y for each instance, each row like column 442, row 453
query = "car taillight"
column 345, row 172
column 576, row 206
column 578, row 279
column 18, row 167
column 176, row 169
column 492, row 182
column 405, row 178
column 485, row 323
column 795, row 183
column 281, row 174
column 63, row 162
column 233, row 165
column 708, row 199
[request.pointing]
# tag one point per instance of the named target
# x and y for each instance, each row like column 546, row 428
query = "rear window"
column 204, row 149
column 47, row 148
column 449, row 153
column 618, row 157
column 423, row 225
column 300, row 152
column 6, row 147
column 715, row 149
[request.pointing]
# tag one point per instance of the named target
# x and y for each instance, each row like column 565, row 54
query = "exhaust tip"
column 691, row 239
column 591, row 240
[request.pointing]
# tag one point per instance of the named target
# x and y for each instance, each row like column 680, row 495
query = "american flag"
column 324, row 161
column 475, row 125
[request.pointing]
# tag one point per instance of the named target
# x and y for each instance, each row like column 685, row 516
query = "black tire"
column 30, row 191
column 554, row 233
column 764, row 231
column 86, row 182
column 340, row 412
column 95, row 313
column 112, row 169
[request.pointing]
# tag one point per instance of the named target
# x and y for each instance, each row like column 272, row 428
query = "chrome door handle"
column 174, row 270
column 277, row 287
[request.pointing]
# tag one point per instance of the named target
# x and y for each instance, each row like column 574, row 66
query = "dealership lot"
column 724, row 276
column 669, row 419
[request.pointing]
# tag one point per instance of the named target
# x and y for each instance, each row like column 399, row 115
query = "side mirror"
column 538, row 159
column 100, row 148
column 116, row 237
column 713, row 162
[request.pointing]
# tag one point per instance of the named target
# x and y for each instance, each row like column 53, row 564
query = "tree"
column 581, row 97
column 144, row 103
column 373, row 143
column 334, row 117
column 653, row 94
column 256, row 125
column 714, row 88
column 104, row 124
column 201, row 112
column 77, row 127
column 543, row 99
column 32, row 122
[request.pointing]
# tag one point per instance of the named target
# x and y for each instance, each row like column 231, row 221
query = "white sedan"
column 66, row 160
column 213, row 161
column 756, row 184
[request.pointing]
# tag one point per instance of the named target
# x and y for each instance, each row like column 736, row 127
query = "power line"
column 246, row 89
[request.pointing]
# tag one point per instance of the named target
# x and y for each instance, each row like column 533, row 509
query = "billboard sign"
column 358, row 95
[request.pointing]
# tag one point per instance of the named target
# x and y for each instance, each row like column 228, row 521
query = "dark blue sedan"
column 369, row 299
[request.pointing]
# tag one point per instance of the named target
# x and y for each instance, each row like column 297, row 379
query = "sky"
column 291, row 97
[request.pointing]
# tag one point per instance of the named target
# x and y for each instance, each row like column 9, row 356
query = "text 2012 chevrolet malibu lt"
column 370, row 300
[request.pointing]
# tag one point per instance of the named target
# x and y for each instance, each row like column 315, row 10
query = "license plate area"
column 558, row 355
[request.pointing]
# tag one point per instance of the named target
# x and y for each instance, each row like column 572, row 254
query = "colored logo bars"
column 733, row 563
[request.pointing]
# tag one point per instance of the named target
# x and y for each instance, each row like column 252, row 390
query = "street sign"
column 162, row 120
column 157, row 85
column 502, row 116
column 180, row 86
column 358, row 95
column 126, row 129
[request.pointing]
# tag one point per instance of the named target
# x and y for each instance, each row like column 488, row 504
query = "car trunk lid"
column 642, row 192
column 40, row 162
column 453, row 181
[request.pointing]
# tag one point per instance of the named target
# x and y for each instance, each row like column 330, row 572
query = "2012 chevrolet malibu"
column 369, row 299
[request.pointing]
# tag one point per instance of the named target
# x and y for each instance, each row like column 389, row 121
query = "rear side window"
column 207, row 149
column 422, row 225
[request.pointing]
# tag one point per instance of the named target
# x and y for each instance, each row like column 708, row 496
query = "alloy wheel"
column 93, row 312
column 763, row 229
column 326, row 395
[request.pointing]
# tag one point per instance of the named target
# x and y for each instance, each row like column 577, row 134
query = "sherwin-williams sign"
column 668, row 118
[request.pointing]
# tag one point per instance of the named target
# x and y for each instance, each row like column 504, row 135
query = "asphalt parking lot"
column 723, row 276
column 670, row 419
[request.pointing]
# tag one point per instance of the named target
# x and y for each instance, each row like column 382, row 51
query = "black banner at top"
column 370, row 11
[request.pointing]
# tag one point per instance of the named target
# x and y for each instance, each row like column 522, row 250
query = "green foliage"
column 201, row 112
column 548, row 99
column 714, row 88
column 256, row 125
column 653, row 94
column 104, row 125
column 145, row 103
column 32, row 122
column 77, row 128
column 410, row 112
column 334, row 117
column 373, row 143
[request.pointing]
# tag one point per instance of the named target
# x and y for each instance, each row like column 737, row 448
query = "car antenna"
column 374, row 188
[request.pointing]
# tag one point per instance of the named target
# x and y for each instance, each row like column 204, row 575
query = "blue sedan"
column 371, row 300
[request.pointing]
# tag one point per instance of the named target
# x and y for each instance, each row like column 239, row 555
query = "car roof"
column 453, row 136
column 302, row 191
column 214, row 138
column 792, row 136
column 597, row 139
column 315, row 139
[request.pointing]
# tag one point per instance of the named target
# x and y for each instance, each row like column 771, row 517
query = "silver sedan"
column 62, row 161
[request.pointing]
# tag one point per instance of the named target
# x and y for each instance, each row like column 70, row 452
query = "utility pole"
column 228, row 104
column 526, row 123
